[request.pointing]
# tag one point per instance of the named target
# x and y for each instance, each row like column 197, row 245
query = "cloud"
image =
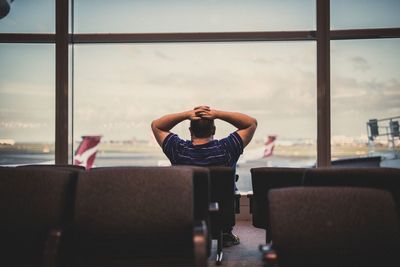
column 365, row 96
column 261, row 60
column 27, row 89
column 360, row 63
column 162, row 55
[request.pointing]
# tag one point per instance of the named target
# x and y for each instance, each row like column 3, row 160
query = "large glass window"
column 365, row 86
column 27, row 16
column 117, row 89
column 361, row 14
column 120, row 89
column 127, row 16
column 27, row 106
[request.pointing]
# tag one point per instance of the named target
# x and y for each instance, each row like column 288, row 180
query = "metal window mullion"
column 323, row 85
column 365, row 33
column 193, row 37
column 61, row 118
column 347, row 34
column 27, row 38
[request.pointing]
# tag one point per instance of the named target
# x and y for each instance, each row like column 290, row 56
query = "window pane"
column 27, row 106
column 120, row 89
column 193, row 16
column 27, row 16
column 361, row 14
column 365, row 85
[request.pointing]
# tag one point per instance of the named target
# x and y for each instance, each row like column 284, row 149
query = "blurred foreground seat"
column 333, row 226
column 135, row 216
column 265, row 179
column 35, row 203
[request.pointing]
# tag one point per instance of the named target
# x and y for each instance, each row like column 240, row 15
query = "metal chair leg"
column 220, row 253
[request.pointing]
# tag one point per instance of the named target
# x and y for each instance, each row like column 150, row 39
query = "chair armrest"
column 51, row 248
column 200, row 240
column 237, row 202
column 250, row 197
column 213, row 207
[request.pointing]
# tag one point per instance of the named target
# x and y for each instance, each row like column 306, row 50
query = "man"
column 203, row 149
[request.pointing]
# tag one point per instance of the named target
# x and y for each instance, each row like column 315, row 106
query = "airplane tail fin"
column 86, row 152
column 269, row 146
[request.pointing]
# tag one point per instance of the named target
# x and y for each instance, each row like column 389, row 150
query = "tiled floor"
column 245, row 254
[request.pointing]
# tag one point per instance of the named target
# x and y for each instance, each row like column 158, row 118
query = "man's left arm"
column 246, row 125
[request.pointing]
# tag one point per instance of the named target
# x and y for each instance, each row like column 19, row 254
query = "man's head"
column 202, row 128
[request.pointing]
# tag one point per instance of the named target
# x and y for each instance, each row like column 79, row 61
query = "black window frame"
column 322, row 35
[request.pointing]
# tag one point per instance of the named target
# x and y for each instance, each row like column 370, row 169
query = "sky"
column 120, row 88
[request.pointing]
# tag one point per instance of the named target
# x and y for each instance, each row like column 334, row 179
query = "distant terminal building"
column 10, row 142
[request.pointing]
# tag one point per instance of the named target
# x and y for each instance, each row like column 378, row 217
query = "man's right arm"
column 161, row 127
column 246, row 125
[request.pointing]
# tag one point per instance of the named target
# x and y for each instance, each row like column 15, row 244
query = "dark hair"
column 202, row 128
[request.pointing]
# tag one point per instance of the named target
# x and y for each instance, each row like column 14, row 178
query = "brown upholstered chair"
column 135, row 216
column 203, row 206
column 35, row 203
column 55, row 166
column 334, row 226
column 362, row 162
column 263, row 180
column 380, row 178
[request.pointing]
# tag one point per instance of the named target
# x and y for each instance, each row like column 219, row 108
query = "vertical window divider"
column 61, row 123
column 72, row 99
column 323, row 84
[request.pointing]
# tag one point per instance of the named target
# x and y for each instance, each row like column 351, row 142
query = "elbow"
column 153, row 125
column 254, row 123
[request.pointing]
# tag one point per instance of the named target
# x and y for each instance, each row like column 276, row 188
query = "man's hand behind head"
column 195, row 114
column 202, row 107
column 198, row 112
column 209, row 114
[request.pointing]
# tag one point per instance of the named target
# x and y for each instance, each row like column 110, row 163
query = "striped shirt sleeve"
column 171, row 147
column 234, row 147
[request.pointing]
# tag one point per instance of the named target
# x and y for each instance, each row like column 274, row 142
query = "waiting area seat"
column 333, row 226
column 55, row 166
column 34, row 204
column 135, row 216
column 113, row 216
column 265, row 179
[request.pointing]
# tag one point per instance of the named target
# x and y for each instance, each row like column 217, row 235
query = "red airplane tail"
column 269, row 146
column 86, row 152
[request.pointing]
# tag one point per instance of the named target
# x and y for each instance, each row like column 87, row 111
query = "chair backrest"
column 365, row 162
column 131, row 214
column 264, row 179
column 201, row 192
column 380, row 178
column 222, row 186
column 55, row 166
column 334, row 226
column 32, row 202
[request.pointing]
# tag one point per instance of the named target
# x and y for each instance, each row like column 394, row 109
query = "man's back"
column 224, row 152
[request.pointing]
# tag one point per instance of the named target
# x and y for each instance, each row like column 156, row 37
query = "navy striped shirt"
column 224, row 152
